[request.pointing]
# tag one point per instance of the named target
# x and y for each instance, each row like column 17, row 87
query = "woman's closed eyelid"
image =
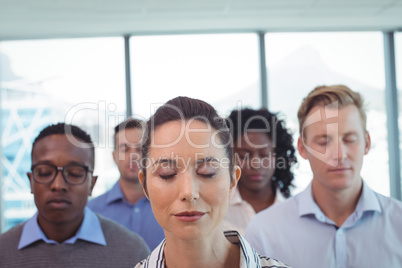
column 208, row 170
column 207, row 175
column 167, row 176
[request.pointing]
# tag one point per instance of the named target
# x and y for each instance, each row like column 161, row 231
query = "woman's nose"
column 189, row 188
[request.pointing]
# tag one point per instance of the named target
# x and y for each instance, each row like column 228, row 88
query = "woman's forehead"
column 190, row 131
column 186, row 137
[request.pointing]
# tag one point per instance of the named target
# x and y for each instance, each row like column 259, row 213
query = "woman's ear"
column 235, row 179
column 141, row 178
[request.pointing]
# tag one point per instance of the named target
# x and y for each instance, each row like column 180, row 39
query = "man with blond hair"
column 337, row 221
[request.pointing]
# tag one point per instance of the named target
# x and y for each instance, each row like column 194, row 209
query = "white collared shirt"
column 240, row 211
column 248, row 256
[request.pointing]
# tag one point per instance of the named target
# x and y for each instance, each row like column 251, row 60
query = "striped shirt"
column 248, row 256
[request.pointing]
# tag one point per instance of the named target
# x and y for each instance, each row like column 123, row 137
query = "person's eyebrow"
column 207, row 159
column 163, row 161
column 68, row 163
column 321, row 136
column 350, row 133
column 242, row 149
column 129, row 144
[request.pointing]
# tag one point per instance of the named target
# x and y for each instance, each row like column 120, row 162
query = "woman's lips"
column 256, row 177
column 189, row 216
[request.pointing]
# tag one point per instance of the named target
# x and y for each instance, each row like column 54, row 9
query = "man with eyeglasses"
column 64, row 233
column 126, row 203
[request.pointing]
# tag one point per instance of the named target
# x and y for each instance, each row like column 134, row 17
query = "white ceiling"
column 21, row 19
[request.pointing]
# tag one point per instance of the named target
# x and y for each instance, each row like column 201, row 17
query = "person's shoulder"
column 277, row 216
column 113, row 227
column 13, row 232
column 12, row 237
column 140, row 264
column 389, row 203
column 287, row 206
column 98, row 203
column 117, row 232
column 267, row 262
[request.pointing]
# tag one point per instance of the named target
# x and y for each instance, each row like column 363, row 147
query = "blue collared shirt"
column 90, row 230
column 298, row 233
column 138, row 218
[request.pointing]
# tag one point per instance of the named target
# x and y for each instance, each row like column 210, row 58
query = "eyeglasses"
column 73, row 174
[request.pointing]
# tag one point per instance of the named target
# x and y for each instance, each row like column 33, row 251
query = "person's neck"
column 132, row 190
column 214, row 251
column 337, row 205
column 59, row 232
column 260, row 199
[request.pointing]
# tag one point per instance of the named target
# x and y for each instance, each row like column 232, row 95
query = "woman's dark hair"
column 248, row 119
column 185, row 108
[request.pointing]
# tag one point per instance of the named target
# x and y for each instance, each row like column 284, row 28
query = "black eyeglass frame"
column 86, row 168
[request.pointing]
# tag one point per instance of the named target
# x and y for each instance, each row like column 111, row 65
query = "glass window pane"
column 398, row 62
column 222, row 69
column 79, row 81
column 298, row 62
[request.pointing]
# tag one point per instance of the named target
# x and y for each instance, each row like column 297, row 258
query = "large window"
column 82, row 81
column 79, row 81
column 298, row 62
column 222, row 69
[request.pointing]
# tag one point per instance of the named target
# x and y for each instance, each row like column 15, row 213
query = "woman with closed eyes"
column 188, row 174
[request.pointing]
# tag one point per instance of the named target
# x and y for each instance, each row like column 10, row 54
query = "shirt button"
column 136, row 210
column 340, row 232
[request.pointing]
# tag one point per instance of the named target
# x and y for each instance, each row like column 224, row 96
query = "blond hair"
column 325, row 95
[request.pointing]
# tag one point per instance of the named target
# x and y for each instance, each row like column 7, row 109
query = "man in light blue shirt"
column 338, row 221
column 126, row 203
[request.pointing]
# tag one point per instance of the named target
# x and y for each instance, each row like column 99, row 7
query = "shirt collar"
column 306, row 202
column 248, row 256
column 115, row 194
column 368, row 201
column 90, row 230
column 237, row 199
